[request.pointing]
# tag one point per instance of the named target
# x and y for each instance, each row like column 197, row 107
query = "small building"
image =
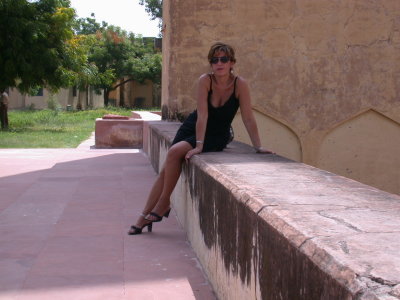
column 131, row 94
column 64, row 97
column 136, row 95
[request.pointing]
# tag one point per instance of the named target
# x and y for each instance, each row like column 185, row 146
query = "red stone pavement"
column 64, row 217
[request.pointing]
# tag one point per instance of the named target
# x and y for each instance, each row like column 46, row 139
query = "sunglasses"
column 223, row 59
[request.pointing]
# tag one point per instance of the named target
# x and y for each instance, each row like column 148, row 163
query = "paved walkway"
column 64, row 214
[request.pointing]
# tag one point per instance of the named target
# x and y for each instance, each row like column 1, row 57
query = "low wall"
column 115, row 131
column 265, row 227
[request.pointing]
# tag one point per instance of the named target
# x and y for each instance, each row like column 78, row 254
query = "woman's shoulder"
column 241, row 82
column 205, row 79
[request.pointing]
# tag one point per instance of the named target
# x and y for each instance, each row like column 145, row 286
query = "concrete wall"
column 324, row 76
column 143, row 91
column 265, row 227
column 64, row 97
column 137, row 95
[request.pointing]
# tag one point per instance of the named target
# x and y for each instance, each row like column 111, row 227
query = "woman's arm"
column 202, row 114
column 246, row 111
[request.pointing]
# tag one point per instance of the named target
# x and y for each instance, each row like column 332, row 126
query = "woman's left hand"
column 191, row 153
column 264, row 151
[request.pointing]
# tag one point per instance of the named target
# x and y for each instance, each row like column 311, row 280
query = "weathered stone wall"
column 324, row 76
column 265, row 227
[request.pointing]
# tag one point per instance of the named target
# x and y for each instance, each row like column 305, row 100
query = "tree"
column 33, row 48
column 84, row 73
column 153, row 8
column 89, row 25
column 38, row 48
column 121, row 57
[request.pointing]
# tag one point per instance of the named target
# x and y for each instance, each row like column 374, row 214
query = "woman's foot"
column 155, row 217
column 138, row 228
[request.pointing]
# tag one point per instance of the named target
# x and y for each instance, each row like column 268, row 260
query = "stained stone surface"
column 266, row 227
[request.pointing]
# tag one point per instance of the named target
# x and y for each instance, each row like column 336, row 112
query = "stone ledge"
column 114, row 131
column 147, row 115
column 267, row 227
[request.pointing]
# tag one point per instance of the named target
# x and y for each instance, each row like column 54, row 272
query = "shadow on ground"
column 64, row 215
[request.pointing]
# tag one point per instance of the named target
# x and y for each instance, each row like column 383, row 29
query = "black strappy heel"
column 138, row 230
column 158, row 218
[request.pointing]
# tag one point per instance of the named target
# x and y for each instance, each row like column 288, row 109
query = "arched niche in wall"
column 365, row 148
column 274, row 135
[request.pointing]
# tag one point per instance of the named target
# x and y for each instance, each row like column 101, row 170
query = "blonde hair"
column 227, row 49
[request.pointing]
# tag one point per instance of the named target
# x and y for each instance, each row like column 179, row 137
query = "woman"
column 219, row 95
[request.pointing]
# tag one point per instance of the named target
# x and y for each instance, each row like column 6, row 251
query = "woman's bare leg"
column 172, row 171
column 152, row 199
column 159, row 197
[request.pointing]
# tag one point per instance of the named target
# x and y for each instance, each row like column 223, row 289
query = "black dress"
column 219, row 122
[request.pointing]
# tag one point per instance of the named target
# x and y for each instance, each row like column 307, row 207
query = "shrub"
column 53, row 104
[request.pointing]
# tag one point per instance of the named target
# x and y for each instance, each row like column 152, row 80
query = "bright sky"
column 127, row 14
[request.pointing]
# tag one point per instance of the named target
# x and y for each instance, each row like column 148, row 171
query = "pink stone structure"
column 115, row 131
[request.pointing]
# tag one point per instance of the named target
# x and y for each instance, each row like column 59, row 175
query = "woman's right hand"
column 192, row 152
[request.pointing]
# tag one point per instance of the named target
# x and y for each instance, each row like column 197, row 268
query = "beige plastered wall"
column 144, row 91
column 63, row 97
column 324, row 76
column 133, row 91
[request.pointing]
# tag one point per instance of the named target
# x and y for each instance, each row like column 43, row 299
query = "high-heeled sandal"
column 158, row 217
column 138, row 230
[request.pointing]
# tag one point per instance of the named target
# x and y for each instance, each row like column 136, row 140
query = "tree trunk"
column 122, row 95
column 79, row 103
column 4, row 116
column 106, row 95
column 87, row 96
column 4, row 109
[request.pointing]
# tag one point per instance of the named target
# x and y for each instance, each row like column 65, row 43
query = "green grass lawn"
column 51, row 129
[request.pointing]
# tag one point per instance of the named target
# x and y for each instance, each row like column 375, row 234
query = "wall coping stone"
column 116, row 131
column 146, row 115
column 114, row 117
column 350, row 230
